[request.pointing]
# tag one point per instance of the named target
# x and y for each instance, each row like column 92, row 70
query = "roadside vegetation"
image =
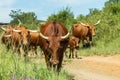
column 14, row 67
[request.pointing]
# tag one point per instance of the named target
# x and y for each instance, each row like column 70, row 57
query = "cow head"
column 91, row 27
column 7, row 36
column 7, row 32
column 54, row 45
column 23, row 32
column 74, row 42
column 77, row 42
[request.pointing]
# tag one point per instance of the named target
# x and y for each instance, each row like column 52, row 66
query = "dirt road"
column 94, row 68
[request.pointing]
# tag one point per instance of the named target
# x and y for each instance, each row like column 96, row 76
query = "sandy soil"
column 94, row 68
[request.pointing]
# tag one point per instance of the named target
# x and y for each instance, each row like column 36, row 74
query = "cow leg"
column 35, row 50
column 16, row 49
column 76, row 51
column 60, row 62
column 19, row 51
column 90, row 40
column 25, row 53
column 90, row 43
column 25, row 49
column 8, row 47
column 61, row 54
column 66, row 54
column 47, row 60
column 70, row 53
column 83, row 43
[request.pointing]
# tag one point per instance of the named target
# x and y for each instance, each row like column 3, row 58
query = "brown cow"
column 54, row 42
column 84, row 32
column 6, row 36
column 73, row 45
column 12, row 39
column 34, row 40
column 17, row 37
column 23, row 33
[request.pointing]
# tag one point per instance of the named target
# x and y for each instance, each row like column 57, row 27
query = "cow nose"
column 25, row 42
column 77, row 45
column 55, row 62
column 94, row 34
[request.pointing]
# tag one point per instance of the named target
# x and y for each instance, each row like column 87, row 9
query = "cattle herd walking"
column 52, row 38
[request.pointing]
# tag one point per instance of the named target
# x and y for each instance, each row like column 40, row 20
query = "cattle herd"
column 52, row 38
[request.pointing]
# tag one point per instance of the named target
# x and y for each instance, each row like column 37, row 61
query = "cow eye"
column 88, row 26
column 19, row 33
column 47, row 41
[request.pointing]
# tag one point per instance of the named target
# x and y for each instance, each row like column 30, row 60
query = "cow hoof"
column 79, row 57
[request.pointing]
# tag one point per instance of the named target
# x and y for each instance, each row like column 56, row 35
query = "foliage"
column 28, row 19
column 14, row 67
column 64, row 16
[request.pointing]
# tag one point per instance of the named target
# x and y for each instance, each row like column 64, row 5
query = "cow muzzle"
column 55, row 62
column 94, row 34
column 25, row 43
column 77, row 46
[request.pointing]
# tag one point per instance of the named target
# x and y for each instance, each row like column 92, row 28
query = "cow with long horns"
column 24, row 37
column 84, row 32
column 54, row 42
column 6, row 37
column 15, row 37
column 34, row 40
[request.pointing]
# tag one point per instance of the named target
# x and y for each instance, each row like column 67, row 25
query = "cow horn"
column 83, row 24
column 7, row 35
column 17, row 30
column 3, row 28
column 66, row 36
column 97, row 22
column 19, row 22
column 44, row 37
column 33, row 30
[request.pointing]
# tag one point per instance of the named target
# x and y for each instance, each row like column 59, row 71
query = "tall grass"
column 102, row 48
column 13, row 67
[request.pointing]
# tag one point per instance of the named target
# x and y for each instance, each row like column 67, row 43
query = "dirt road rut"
column 94, row 68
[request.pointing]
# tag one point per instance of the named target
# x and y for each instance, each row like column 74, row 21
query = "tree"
column 64, row 16
column 114, row 1
column 28, row 19
column 113, row 6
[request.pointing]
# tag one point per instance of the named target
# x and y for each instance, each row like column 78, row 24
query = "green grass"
column 13, row 67
column 102, row 48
